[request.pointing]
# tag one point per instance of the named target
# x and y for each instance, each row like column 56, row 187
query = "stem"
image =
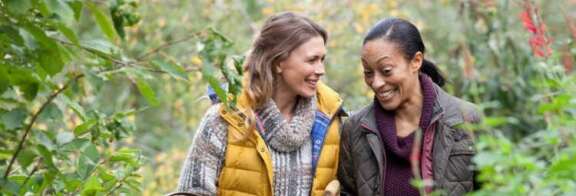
column 90, row 175
column 34, row 117
column 117, row 186
column 30, row 175
column 166, row 45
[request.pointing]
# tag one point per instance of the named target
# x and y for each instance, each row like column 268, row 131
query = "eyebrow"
column 379, row 59
column 382, row 58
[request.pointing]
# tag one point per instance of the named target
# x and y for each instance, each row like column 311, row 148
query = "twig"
column 117, row 186
column 91, row 173
column 166, row 45
column 97, row 53
column 31, row 174
column 34, row 117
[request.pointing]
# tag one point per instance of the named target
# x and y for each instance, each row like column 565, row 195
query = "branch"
column 34, row 117
column 92, row 172
column 117, row 186
column 134, row 63
column 167, row 45
column 97, row 53
column 31, row 173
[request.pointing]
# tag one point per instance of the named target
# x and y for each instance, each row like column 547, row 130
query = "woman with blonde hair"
column 284, row 137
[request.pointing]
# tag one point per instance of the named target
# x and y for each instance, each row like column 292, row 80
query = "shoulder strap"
column 319, row 130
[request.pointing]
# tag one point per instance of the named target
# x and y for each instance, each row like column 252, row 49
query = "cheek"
column 367, row 80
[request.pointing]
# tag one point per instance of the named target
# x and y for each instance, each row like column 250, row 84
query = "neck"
column 285, row 102
column 411, row 110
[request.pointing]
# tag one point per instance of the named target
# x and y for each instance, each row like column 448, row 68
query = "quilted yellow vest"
column 247, row 168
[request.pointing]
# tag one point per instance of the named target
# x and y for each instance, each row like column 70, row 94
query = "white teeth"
column 387, row 94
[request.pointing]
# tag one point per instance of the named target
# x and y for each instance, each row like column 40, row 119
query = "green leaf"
column 71, row 181
column 146, row 91
column 14, row 119
column 100, row 47
column 39, row 35
column 77, row 8
column 208, row 76
column 47, row 155
column 64, row 137
column 85, row 167
column 9, row 186
column 4, row 82
column 49, row 54
column 18, row 6
column 106, row 174
column 84, row 127
column 174, row 70
column 12, row 34
column 134, row 184
column 26, row 157
column 123, row 114
column 118, row 20
column 91, row 153
column 48, row 180
column 42, row 7
column 50, row 60
column 30, row 90
column 62, row 11
column 74, row 145
column 25, row 80
column 69, row 33
column 103, row 21
column 79, row 110
column 44, row 140
column 127, row 155
column 51, row 112
column 19, row 179
column 92, row 186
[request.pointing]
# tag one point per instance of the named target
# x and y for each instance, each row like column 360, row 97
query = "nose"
column 319, row 69
column 377, row 81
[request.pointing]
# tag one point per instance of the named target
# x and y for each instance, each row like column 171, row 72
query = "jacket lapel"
column 368, row 124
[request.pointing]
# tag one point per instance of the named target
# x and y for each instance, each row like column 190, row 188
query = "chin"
column 389, row 105
column 307, row 93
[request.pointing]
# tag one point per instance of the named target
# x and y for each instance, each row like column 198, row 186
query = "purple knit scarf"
column 398, row 170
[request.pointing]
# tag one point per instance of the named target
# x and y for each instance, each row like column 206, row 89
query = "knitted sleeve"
column 203, row 164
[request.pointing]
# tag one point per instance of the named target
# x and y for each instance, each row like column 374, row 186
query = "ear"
column 416, row 62
column 278, row 68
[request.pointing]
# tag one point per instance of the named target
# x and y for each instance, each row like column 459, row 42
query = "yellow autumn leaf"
column 267, row 11
column 358, row 27
column 196, row 60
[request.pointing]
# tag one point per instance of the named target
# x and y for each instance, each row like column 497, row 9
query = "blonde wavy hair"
column 280, row 35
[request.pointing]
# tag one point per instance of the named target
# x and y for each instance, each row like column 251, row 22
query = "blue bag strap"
column 319, row 130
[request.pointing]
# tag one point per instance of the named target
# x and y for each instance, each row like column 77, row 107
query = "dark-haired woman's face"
column 392, row 77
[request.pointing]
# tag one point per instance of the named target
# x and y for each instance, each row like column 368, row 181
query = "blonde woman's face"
column 300, row 73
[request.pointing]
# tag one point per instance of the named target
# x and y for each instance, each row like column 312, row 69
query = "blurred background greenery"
column 514, row 58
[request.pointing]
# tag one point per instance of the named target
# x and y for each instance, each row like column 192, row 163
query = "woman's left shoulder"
column 467, row 110
column 457, row 108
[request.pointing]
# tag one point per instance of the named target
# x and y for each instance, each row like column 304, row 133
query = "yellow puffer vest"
column 247, row 166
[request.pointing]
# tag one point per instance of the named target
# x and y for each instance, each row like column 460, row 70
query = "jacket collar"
column 327, row 101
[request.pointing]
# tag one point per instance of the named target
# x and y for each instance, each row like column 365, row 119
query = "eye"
column 386, row 71
column 312, row 60
column 368, row 73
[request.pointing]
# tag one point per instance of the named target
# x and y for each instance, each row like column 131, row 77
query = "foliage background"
column 141, row 89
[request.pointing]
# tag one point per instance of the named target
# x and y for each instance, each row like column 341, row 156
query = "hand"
column 332, row 189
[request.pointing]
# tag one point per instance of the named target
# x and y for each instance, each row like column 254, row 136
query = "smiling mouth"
column 387, row 94
column 312, row 82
